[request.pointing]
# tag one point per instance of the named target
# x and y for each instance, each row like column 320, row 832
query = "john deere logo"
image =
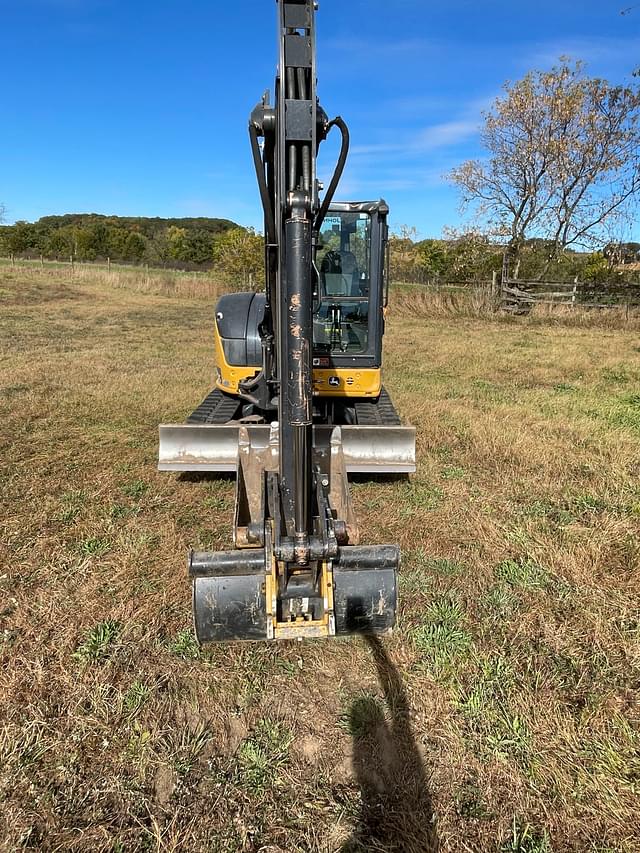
column 334, row 381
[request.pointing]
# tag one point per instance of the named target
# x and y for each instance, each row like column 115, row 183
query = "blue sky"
column 140, row 107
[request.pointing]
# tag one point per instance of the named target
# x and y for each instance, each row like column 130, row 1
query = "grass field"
column 502, row 715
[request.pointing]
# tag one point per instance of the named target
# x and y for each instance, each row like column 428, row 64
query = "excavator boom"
column 297, row 569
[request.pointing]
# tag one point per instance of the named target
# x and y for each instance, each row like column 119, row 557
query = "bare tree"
column 563, row 161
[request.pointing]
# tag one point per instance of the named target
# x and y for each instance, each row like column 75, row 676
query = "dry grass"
column 428, row 303
column 502, row 716
column 187, row 285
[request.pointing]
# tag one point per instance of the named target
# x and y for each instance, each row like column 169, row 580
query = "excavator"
column 298, row 403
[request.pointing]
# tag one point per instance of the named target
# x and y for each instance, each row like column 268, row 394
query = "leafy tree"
column 176, row 239
column 59, row 244
column 19, row 238
column 159, row 248
column 199, row 247
column 403, row 257
column 134, row 247
column 92, row 236
column 470, row 255
column 597, row 270
column 118, row 237
column 563, row 160
column 431, row 256
column 84, row 244
column 239, row 254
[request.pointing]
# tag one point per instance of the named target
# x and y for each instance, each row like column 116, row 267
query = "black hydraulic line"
column 293, row 167
column 269, row 218
column 302, row 85
column 291, row 83
column 342, row 159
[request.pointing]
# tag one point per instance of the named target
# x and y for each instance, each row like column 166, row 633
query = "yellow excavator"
column 298, row 402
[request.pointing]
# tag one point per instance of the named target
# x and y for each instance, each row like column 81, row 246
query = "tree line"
column 91, row 237
column 469, row 256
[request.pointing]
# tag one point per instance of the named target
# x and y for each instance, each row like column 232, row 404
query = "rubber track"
column 377, row 412
column 217, row 408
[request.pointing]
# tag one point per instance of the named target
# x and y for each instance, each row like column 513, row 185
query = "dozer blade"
column 230, row 600
column 378, row 449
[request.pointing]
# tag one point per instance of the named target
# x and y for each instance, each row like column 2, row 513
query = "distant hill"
column 147, row 225
column 134, row 239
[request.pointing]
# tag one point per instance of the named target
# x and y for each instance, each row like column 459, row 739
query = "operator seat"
column 350, row 272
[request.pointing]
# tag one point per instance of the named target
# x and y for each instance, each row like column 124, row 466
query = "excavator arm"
column 297, row 569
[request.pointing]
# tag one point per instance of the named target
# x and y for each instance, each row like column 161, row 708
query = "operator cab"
column 351, row 285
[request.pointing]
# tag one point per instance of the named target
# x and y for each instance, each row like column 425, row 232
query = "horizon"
column 132, row 112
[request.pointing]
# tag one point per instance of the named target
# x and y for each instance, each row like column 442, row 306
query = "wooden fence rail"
column 522, row 295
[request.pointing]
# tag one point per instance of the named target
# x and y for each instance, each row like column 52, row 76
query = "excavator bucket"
column 230, row 596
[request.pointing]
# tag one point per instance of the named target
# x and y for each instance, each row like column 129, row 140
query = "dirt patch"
column 309, row 749
column 164, row 784
column 17, row 291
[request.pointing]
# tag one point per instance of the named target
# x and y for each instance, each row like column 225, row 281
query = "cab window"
column 343, row 259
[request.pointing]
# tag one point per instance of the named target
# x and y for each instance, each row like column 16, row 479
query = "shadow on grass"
column 207, row 477
column 381, row 479
column 397, row 814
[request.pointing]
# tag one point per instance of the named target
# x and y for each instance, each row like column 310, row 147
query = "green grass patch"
column 522, row 573
column 422, row 497
column 135, row 697
column 71, row 506
column 523, row 838
column 499, row 602
column 98, row 642
column 135, row 489
column 452, row 472
column 443, row 638
column 185, row 645
column 185, row 747
column 263, row 754
column 364, row 714
column 95, row 546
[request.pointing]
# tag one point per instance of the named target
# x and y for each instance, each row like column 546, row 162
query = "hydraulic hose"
column 270, row 222
column 342, row 159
